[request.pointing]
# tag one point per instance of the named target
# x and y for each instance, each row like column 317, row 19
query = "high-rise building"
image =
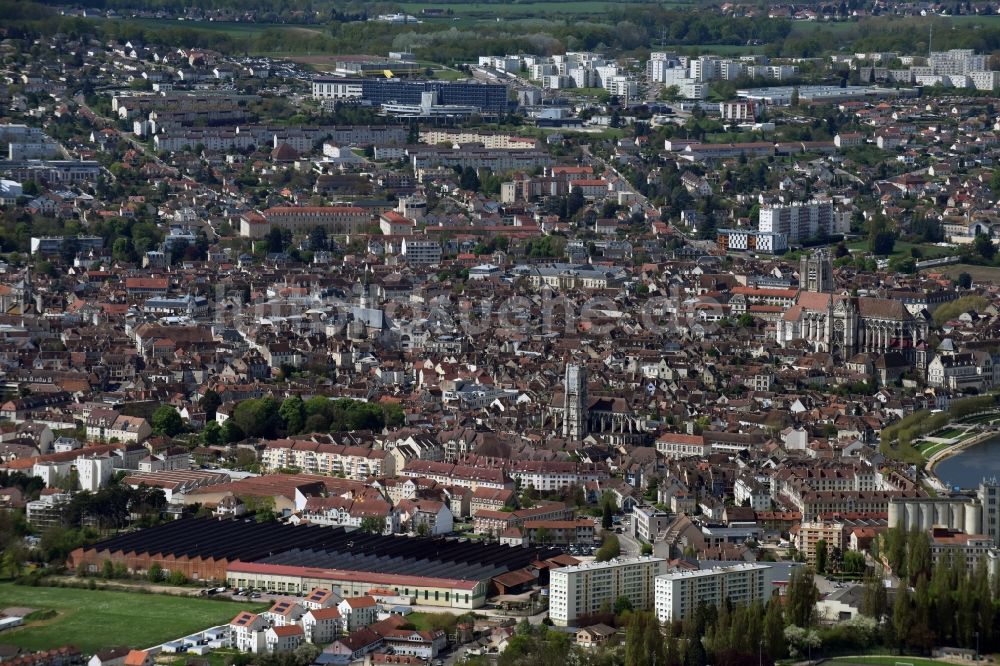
column 989, row 498
column 799, row 221
column 583, row 589
column 678, row 594
column 575, row 402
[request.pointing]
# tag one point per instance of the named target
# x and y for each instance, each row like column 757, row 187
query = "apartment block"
column 583, row 589
column 678, row 594
column 798, row 222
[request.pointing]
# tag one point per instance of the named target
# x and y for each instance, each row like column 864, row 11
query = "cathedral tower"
column 816, row 272
column 575, row 402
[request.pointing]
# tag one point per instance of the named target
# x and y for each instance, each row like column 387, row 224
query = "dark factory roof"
column 320, row 547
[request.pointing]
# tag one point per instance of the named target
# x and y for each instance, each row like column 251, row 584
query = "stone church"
column 844, row 325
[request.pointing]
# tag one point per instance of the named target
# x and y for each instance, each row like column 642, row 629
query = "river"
column 967, row 468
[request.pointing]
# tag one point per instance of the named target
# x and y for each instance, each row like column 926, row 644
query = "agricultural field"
column 94, row 619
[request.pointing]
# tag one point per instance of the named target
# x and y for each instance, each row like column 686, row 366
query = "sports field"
column 94, row 619
column 881, row 660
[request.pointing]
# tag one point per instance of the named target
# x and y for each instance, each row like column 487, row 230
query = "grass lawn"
column 880, row 660
column 230, row 28
column 834, row 27
column 527, row 9
column 215, row 658
column 978, row 273
column 902, row 249
column 934, row 449
column 95, row 619
column 949, row 433
column 449, row 75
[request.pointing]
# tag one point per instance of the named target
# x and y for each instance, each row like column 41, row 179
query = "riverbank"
column 958, row 447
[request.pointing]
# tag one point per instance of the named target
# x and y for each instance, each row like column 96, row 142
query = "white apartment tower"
column 678, row 594
column 798, row 221
column 583, row 589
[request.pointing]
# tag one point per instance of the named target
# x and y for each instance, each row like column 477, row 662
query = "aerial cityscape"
column 546, row 332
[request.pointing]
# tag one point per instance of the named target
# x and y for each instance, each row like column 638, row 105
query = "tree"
column 794, row 100
column 210, row 402
column 852, row 562
column 622, row 604
column 821, row 556
column 918, row 555
column 155, row 573
column 902, row 616
column 575, row 201
column 542, row 535
column 166, row 421
column 121, row 251
column 372, row 525
column 607, row 517
column 257, row 418
column 610, row 549
column 875, row 601
column 964, row 280
column 212, row 434
column 643, row 640
column 469, row 180
column 802, row 597
column 293, row 414
column 231, row 432
column 984, row 247
column 774, row 629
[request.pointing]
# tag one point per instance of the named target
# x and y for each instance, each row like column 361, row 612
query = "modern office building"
column 678, row 594
column 487, row 97
column 583, row 589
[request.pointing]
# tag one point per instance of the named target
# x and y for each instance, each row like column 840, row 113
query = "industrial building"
column 294, row 559
column 978, row 514
column 487, row 97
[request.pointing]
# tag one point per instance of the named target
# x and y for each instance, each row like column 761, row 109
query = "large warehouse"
column 294, row 559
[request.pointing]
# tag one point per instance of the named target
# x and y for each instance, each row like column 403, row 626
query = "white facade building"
column 678, row 594
column 584, row 588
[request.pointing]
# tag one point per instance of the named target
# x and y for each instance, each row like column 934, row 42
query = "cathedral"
column 845, row 325
column 574, row 414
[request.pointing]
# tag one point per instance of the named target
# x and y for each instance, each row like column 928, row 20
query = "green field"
column 508, row 10
column 902, row 249
column 94, row 619
column 928, row 449
column 232, row 29
column 979, row 273
column 949, row 433
column 832, row 27
column 887, row 661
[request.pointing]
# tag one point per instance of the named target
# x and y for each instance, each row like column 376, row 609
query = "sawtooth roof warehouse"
column 295, row 559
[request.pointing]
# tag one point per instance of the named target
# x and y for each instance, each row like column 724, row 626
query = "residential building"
column 584, row 588
column 678, row 594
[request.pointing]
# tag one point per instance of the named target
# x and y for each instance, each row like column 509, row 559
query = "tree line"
column 270, row 418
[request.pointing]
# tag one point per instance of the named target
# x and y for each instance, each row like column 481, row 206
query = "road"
column 630, row 545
